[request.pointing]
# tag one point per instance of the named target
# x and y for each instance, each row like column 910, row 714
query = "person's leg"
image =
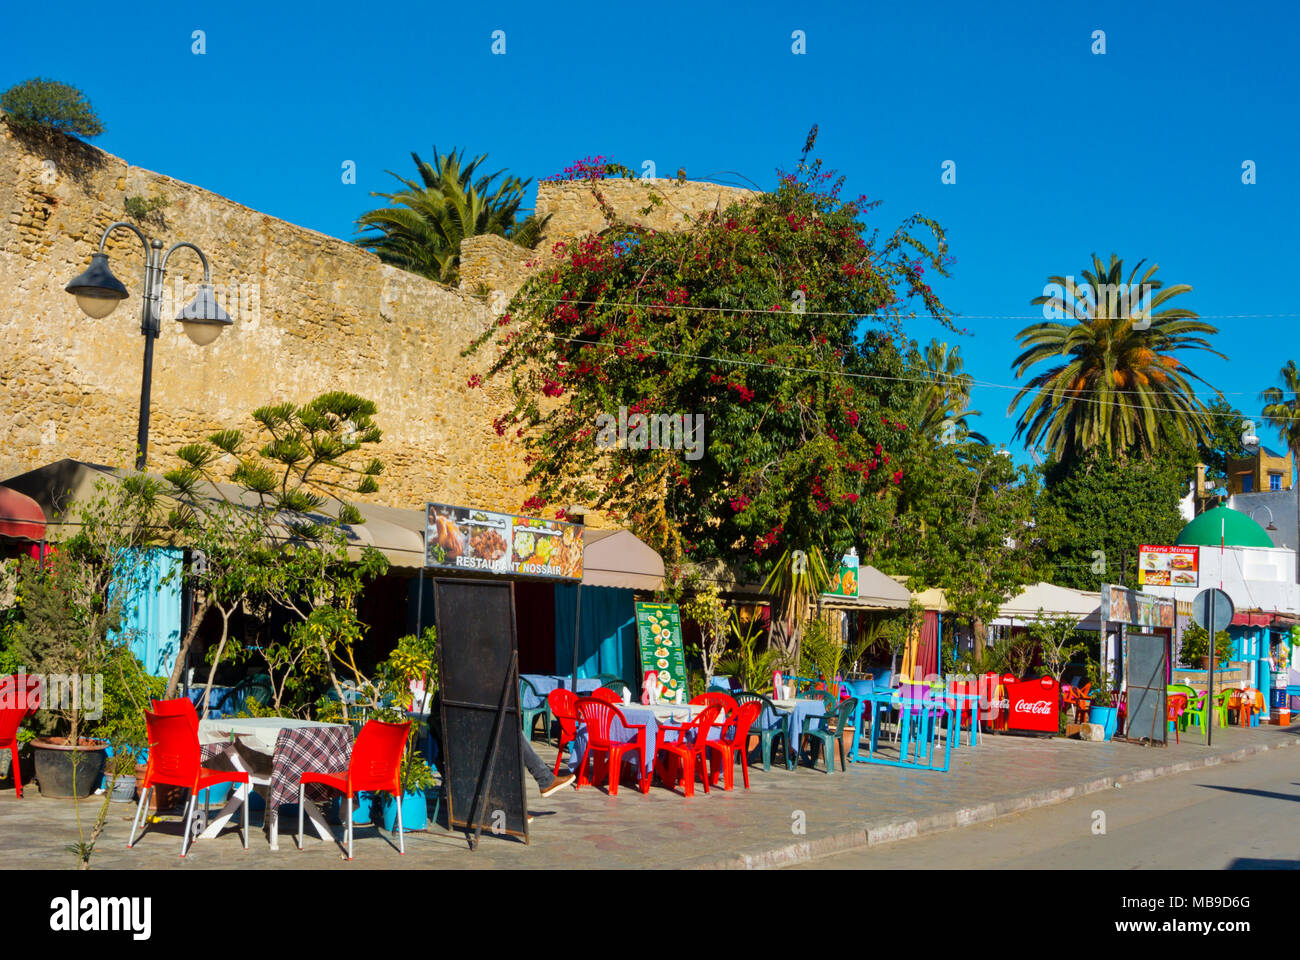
column 538, row 770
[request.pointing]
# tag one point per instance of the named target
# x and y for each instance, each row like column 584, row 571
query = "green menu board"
column 659, row 640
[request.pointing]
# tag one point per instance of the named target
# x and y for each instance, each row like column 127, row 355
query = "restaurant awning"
column 617, row 558
column 932, row 599
column 1249, row 618
column 1052, row 600
column 611, row 558
column 21, row 517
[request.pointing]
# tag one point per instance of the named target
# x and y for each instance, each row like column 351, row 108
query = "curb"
column 874, row 835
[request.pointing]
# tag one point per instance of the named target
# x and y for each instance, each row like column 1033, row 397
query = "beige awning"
column 611, row 558
column 617, row 558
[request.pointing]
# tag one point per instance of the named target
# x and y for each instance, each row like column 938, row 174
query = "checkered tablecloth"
column 297, row 750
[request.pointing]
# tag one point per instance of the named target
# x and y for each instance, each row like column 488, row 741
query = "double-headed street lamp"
column 98, row 293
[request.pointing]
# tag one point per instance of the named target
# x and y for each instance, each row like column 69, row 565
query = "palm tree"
column 1117, row 372
column 423, row 230
column 941, row 409
column 1283, row 412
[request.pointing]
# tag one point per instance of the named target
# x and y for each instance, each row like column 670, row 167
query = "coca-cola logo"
column 1040, row 707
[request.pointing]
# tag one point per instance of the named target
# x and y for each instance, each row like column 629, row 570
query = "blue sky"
column 1058, row 152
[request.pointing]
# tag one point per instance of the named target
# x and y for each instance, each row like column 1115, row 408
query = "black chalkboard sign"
column 478, row 672
column 1146, row 673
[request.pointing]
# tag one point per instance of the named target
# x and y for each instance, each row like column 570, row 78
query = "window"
column 1275, row 481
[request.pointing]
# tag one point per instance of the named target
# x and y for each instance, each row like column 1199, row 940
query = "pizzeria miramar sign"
column 463, row 538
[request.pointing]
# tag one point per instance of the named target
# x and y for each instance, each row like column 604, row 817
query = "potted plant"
column 120, row 777
column 1195, row 649
column 1098, row 701
column 417, row 777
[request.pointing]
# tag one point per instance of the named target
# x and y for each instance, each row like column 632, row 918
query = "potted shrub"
column 1195, row 649
column 417, row 777
column 70, row 632
column 120, row 777
column 1098, row 702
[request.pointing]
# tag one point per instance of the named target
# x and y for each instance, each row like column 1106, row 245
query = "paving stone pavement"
column 589, row 829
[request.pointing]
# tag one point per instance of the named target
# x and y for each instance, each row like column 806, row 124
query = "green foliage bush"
column 50, row 105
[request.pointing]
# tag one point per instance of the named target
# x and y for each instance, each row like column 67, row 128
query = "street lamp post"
column 98, row 293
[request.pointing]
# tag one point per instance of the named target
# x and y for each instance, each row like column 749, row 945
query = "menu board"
column 1168, row 566
column 659, row 640
column 844, row 580
column 462, row 538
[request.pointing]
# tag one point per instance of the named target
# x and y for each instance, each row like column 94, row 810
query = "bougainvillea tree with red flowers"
column 778, row 320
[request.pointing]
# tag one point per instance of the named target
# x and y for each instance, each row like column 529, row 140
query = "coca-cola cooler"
column 993, row 704
column 1033, row 705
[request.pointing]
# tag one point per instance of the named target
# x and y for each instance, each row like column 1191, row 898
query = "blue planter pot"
column 1106, row 717
column 363, row 808
column 415, row 811
column 216, row 795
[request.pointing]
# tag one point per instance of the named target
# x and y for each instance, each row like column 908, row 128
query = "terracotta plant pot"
column 55, row 760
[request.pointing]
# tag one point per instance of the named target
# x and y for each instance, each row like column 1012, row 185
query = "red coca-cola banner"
column 1034, row 705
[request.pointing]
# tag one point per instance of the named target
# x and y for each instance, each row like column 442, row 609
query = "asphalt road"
column 1233, row 816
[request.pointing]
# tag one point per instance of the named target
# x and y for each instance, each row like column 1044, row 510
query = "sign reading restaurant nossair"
column 462, row 538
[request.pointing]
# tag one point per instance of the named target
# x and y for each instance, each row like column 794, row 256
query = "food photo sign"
column 1168, row 566
column 463, row 538
column 659, row 640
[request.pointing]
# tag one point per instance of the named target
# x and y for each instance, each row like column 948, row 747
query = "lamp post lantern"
column 98, row 293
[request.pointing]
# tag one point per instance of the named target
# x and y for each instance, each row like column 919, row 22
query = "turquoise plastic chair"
column 530, row 714
column 818, row 729
column 767, row 735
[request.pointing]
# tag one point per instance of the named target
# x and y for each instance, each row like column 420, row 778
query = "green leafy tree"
column 708, row 611
column 752, row 319
column 1224, row 425
column 423, row 229
column 1113, row 365
column 1058, row 640
column 281, row 535
column 962, row 522
column 1282, row 411
column 40, row 104
column 1097, row 510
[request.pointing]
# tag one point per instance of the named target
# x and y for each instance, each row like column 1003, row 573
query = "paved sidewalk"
column 755, row 828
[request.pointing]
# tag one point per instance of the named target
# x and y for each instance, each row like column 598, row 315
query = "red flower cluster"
column 851, row 497
column 742, row 391
column 739, row 504
column 768, row 539
column 898, row 476
column 535, row 502
column 853, row 418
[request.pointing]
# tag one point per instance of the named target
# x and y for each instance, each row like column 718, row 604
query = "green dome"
column 1223, row 524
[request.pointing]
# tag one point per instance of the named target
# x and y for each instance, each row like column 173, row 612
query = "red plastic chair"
column 174, row 761
column 606, row 695
column 687, row 751
column 599, row 717
column 564, row 708
column 1174, row 707
column 20, row 697
column 180, row 707
column 737, row 746
column 375, row 764
column 730, row 708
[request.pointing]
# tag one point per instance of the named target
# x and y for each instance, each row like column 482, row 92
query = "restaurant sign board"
column 1121, row 605
column 844, row 579
column 659, row 641
column 1160, row 566
column 480, row 541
